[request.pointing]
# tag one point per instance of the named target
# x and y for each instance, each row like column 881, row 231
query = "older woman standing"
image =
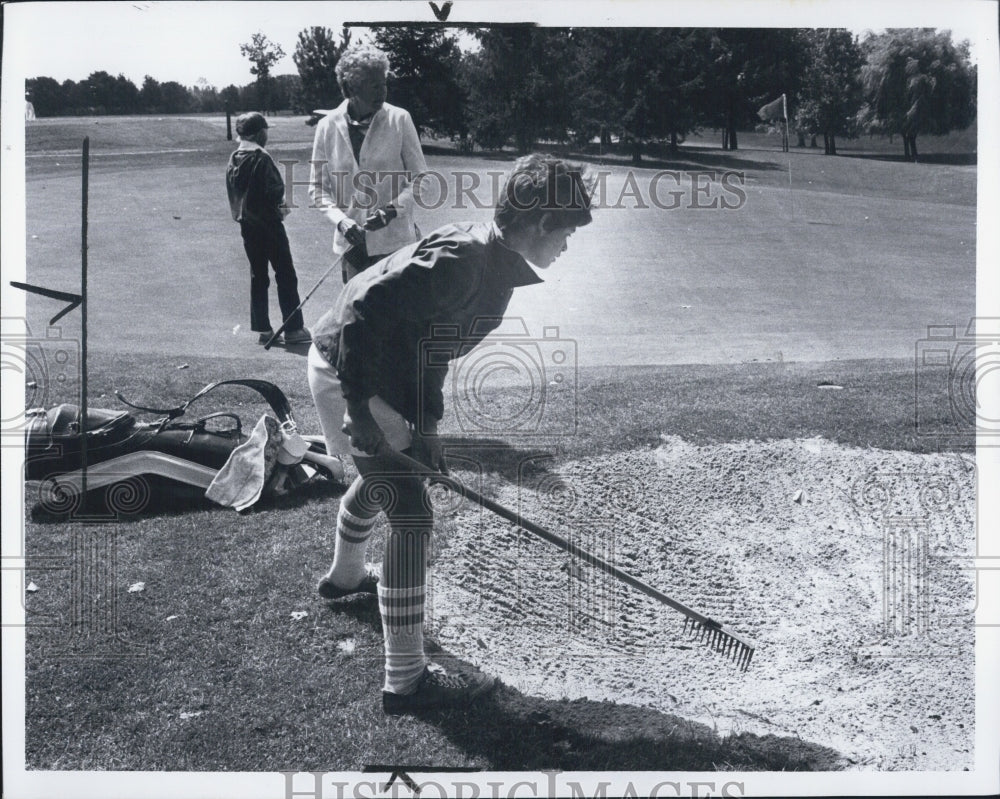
column 366, row 155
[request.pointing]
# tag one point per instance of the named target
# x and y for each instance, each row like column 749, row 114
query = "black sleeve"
column 273, row 185
column 433, row 288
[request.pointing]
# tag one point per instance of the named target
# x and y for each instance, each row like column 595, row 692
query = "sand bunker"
column 849, row 568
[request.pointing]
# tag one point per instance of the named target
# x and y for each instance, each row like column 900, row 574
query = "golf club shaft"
column 567, row 546
column 284, row 324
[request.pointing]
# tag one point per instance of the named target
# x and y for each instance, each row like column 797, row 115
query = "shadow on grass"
column 518, row 732
column 686, row 157
column 496, row 457
column 514, row 731
column 946, row 159
column 294, row 349
column 483, row 155
column 683, row 158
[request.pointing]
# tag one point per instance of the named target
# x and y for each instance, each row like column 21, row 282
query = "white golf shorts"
column 332, row 408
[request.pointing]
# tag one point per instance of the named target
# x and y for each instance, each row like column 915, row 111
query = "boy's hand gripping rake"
column 705, row 629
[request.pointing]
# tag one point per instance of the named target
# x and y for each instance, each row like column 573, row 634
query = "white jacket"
column 390, row 160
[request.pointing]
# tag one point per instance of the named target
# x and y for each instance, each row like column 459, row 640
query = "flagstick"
column 83, row 337
column 784, row 112
column 784, row 143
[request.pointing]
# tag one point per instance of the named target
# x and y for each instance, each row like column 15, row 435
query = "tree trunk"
column 673, row 141
column 729, row 129
column 523, row 141
column 636, row 151
column 910, row 146
column 605, row 138
column 829, row 144
column 802, row 139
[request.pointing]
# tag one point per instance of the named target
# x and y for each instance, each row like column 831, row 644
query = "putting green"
column 854, row 259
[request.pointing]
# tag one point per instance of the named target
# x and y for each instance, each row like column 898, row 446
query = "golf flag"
column 774, row 110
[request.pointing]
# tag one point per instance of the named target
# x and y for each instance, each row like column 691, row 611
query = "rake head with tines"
column 706, row 629
column 713, row 634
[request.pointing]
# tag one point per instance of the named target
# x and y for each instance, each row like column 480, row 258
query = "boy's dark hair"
column 543, row 184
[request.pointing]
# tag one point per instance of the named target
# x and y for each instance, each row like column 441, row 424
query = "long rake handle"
column 568, row 546
column 706, row 629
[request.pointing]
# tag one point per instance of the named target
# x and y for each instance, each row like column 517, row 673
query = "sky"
column 190, row 41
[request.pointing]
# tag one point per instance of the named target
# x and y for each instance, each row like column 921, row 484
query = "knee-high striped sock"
column 402, row 612
column 353, row 532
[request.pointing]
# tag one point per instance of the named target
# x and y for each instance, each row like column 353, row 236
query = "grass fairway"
column 222, row 677
column 714, row 326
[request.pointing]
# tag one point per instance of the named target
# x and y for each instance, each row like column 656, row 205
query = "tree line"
column 635, row 86
column 102, row 93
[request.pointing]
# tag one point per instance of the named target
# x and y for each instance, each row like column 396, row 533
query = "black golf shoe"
column 300, row 336
column 368, row 585
column 440, row 687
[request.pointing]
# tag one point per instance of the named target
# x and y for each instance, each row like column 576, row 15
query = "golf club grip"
column 418, row 468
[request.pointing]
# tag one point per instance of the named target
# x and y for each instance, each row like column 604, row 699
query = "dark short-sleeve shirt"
column 396, row 327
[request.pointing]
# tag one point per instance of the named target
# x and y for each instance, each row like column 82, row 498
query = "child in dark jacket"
column 257, row 200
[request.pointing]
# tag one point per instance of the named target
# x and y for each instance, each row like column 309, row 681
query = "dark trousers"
column 269, row 243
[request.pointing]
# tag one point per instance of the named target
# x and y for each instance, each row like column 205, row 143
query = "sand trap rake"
column 704, row 629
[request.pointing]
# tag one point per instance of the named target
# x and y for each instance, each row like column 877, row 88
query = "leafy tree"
column 518, row 85
column 99, row 90
column 46, row 95
column 75, row 95
column 745, row 69
column 640, row 80
column 917, row 81
column 176, row 98
column 831, row 93
column 150, row 96
column 124, row 96
column 262, row 54
column 316, row 55
column 248, row 97
column 596, row 110
column 206, row 98
column 110, row 95
column 425, row 65
column 231, row 97
column 286, row 92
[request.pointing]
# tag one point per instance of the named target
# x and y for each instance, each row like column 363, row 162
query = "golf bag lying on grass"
column 132, row 461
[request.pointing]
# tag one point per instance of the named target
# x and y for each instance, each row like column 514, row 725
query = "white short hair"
column 359, row 59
